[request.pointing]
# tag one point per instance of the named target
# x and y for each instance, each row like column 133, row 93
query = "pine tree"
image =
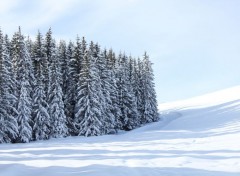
column 112, row 67
column 138, row 89
column 70, row 90
column 119, row 87
column 83, row 50
column 125, row 95
column 15, row 55
column 42, row 123
column 62, row 56
column 75, row 59
column 41, row 118
column 24, row 76
column 107, row 86
column 14, row 51
column 8, row 112
column 150, row 113
column 29, row 44
column 56, row 105
column 111, row 59
column 134, row 119
column 88, row 109
column 48, row 52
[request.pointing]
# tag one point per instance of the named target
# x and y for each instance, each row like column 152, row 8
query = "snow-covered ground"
column 196, row 137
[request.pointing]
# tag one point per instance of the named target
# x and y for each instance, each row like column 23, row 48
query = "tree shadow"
column 106, row 170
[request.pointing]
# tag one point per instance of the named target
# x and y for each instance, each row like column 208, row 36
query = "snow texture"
column 196, row 137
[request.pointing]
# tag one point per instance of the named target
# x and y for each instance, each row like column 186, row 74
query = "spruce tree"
column 70, row 90
column 125, row 95
column 131, row 82
column 62, row 55
column 150, row 113
column 138, row 89
column 106, row 82
column 88, row 109
column 48, row 52
column 111, row 59
column 76, row 58
column 56, row 105
column 41, row 118
column 29, row 44
column 121, row 88
column 24, row 76
column 8, row 112
column 113, row 69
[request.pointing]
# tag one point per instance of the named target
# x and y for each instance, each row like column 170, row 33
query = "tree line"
column 52, row 90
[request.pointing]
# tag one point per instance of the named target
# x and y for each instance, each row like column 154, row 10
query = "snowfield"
column 195, row 137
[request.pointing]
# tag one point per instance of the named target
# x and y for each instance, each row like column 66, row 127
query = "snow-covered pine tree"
column 111, row 58
column 8, row 112
column 113, row 79
column 56, row 105
column 125, row 95
column 88, row 117
column 138, row 88
column 29, row 44
column 79, row 52
column 41, row 118
column 41, row 123
column 106, row 81
column 75, row 58
column 70, row 90
column 119, row 70
column 62, row 55
column 24, row 89
column 134, row 119
column 83, row 48
column 150, row 113
column 11, row 68
column 48, row 52
column 78, row 57
column 37, row 50
column 15, row 50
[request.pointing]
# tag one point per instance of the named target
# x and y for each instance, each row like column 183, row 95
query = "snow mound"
column 199, row 137
column 211, row 99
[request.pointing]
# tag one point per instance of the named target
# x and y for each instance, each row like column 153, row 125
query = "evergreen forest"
column 52, row 89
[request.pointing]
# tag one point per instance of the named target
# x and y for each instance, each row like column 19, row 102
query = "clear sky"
column 194, row 44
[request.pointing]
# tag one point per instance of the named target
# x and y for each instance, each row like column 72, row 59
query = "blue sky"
column 194, row 44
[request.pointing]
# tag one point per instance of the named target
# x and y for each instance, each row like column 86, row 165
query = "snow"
column 195, row 137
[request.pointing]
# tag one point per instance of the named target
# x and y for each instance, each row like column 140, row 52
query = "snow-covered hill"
column 196, row 137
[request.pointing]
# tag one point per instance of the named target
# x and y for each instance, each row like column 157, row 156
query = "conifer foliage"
column 24, row 89
column 51, row 90
column 8, row 123
column 41, row 118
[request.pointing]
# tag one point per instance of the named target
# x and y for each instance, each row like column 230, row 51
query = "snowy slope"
column 196, row 137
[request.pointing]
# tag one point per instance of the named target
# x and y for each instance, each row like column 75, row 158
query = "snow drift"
column 199, row 136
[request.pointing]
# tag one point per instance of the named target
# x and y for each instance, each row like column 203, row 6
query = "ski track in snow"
column 196, row 137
